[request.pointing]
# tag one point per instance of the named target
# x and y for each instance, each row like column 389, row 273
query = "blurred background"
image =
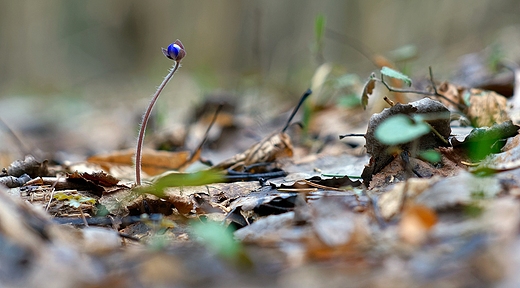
column 76, row 75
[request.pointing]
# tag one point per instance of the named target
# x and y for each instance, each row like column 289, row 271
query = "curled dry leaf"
column 367, row 91
column 484, row 108
column 271, row 148
column 154, row 162
column 29, row 166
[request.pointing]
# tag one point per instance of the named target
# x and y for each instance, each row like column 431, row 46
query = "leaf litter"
column 425, row 207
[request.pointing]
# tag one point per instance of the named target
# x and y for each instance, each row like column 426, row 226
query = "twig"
column 351, row 135
column 53, row 188
column 83, row 216
column 302, row 99
column 390, row 102
column 438, row 134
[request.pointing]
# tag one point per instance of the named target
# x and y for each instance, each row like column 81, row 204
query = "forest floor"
column 417, row 197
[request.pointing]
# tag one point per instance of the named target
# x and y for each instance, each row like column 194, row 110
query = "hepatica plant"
column 175, row 52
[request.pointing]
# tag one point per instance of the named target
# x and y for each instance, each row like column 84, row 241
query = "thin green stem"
column 146, row 117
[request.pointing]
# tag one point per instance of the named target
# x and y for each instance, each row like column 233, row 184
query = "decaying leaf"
column 29, row 166
column 484, row 108
column 315, row 181
column 461, row 189
column 452, row 92
column 391, row 202
column 367, row 91
column 415, row 223
column 154, row 162
column 273, row 147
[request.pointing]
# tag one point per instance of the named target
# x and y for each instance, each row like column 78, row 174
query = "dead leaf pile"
column 286, row 211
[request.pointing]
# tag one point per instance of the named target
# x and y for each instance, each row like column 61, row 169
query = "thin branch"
column 302, row 99
column 351, row 135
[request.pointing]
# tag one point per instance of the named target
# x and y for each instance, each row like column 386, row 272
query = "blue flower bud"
column 175, row 51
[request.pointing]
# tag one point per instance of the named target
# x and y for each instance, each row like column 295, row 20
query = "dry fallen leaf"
column 271, row 148
column 154, row 162
column 390, row 202
column 415, row 223
column 486, row 108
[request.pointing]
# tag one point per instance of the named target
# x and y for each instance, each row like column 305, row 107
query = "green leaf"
column 180, row 180
column 431, row 156
column 396, row 74
column 217, row 238
column 399, row 129
column 319, row 27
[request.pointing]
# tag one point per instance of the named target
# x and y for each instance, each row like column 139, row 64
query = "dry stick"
column 146, row 117
column 83, row 216
column 52, row 192
column 302, row 99
column 389, row 101
column 351, row 135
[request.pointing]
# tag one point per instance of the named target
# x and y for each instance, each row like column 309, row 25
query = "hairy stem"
column 146, row 117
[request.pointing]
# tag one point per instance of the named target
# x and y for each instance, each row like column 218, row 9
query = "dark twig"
column 302, row 99
column 351, row 135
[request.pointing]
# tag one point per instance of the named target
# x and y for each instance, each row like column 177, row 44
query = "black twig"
column 302, row 99
column 351, row 135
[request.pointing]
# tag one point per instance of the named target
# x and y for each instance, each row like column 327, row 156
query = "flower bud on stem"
column 176, row 52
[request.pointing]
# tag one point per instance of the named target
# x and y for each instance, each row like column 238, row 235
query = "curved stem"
column 146, row 117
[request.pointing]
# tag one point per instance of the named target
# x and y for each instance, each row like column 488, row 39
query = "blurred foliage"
column 58, row 45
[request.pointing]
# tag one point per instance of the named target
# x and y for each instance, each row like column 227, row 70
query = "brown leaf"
column 417, row 220
column 28, row 166
column 486, row 108
column 154, row 162
column 390, row 202
column 269, row 149
column 368, row 90
column 101, row 178
column 452, row 92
